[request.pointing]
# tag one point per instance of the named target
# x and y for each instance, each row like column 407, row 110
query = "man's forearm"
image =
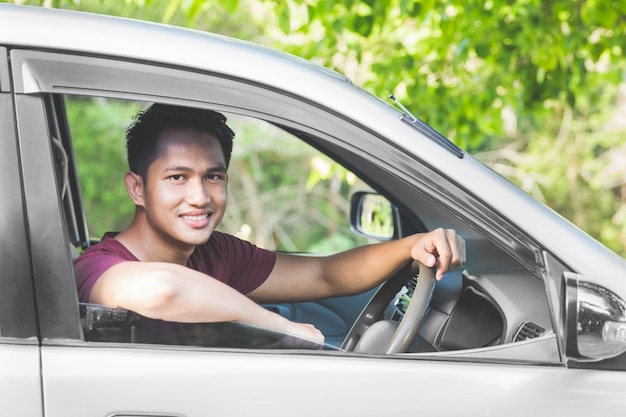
column 296, row 278
column 175, row 293
column 441, row 249
column 363, row 268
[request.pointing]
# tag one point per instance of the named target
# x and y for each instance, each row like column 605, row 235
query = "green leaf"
column 363, row 25
column 483, row 49
column 230, row 6
column 170, row 10
column 284, row 18
column 193, row 10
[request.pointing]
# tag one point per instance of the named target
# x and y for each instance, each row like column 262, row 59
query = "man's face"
column 186, row 188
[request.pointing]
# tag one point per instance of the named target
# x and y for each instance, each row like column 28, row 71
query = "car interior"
column 493, row 307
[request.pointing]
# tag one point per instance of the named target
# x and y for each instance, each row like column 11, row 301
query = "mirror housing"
column 373, row 216
column 595, row 321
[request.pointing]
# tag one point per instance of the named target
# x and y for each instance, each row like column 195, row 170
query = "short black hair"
column 142, row 136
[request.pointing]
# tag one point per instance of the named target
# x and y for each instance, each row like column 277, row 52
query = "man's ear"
column 135, row 188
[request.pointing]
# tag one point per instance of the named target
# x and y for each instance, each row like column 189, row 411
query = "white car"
column 533, row 324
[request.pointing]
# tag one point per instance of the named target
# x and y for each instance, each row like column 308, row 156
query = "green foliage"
column 273, row 200
column 584, row 180
column 459, row 64
column 97, row 128
column 528, row 85
column 377, row 216
column 268, row 190
column 539, row 75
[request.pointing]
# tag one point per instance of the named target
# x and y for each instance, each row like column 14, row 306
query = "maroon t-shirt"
column 228, row 259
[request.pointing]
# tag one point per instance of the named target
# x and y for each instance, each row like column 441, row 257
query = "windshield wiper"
column 426, row 130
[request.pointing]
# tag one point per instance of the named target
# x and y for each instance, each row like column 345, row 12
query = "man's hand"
column 441, row 248
column 275, row 321
column 305, row 331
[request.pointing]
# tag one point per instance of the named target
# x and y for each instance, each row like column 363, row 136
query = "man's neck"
column 149, row 246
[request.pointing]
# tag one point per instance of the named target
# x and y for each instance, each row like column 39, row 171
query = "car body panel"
column 20, row 379
column 148, row 381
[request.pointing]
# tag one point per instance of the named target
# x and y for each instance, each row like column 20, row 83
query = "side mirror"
column 373, row 216
column 595, row 321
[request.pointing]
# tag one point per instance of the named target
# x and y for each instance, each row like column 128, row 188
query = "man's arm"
column 175, row 293
column 298, row 278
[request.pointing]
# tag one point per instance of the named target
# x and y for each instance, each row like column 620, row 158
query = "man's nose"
column 198, row 193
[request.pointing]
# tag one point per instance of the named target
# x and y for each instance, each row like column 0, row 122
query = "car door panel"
column 187, row 382
column 20, row 381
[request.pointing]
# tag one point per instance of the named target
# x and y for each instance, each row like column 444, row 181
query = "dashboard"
column 469, row 311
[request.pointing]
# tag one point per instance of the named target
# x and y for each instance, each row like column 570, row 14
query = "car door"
column 89, row 378
column 20, row 378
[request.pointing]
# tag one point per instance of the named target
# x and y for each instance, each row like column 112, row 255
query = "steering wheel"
column 370, row 335
column 407, row 329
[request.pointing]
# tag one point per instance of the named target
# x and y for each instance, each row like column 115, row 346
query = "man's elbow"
column 151, row 295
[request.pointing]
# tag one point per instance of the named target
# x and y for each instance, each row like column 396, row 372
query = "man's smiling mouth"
column 197, row 217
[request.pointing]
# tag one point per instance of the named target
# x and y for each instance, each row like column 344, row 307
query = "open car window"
column 284, row 194
column 483, row 309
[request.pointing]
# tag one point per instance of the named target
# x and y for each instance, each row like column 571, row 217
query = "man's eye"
column 176, row 177
column 215, row 177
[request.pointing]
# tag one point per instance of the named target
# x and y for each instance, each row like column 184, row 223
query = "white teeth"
column 200, row 217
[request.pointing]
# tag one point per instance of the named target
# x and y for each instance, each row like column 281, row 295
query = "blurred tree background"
column 534, row 88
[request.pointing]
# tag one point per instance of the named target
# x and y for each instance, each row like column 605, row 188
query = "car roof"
column 56, row 29
column 40, row 28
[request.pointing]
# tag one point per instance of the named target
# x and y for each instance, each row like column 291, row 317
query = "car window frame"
column 122, row 79
column 17, row 311
column 57, row 304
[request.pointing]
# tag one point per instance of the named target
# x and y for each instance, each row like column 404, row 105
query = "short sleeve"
column 238, row 263
column 95, row 261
